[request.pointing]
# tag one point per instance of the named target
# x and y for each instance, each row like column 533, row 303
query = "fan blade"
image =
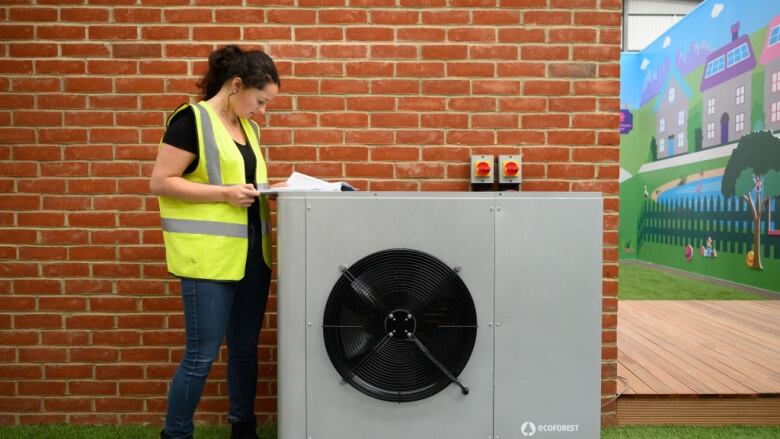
column 362, row 361
column 419, row 309
column 463, row 389
column 363, row 290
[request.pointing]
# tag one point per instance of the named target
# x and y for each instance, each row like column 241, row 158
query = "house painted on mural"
column 770, row 58
column 726, row 91
column 671, row 109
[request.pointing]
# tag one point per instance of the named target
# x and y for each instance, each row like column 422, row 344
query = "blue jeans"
column 213, row 310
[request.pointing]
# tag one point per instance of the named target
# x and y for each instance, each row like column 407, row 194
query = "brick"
column 573, row 35
column 370, row 170
column 313, row 34
column 85, row 50
column 391, row 51
column 373, row 33
column 353, row 120
column 546, row 88
column 537, row 121
column 343, row 51
column 317, row 136
column 545, row 53
column 444, row 17
column 493, row 52
column 496, row 17
column 84, row 14
column 448, row 51
column 604, row 88
column 32, row 50
column 420, row 34
column 18, row 14
column 60, row 32
column 598, row 18
column 379, row 16
column 420, row 69
column 496, row 87
column 471, row 137
column 444, row 120
column 576, row 70
column 342, row 16
column 472, row 35
column 494, row 121
column 292, row 16
column 369, row 69
column 420, row 137
column 396, row 86
column 470, row 69
column 17, row 32
column 596, row 53
column 520, row 69
column 387, row 120
column 471, row 104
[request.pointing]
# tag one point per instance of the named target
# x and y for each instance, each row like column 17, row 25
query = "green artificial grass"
column 115, row 431
column 269, row 432
column 690, row 432
column 638, row 282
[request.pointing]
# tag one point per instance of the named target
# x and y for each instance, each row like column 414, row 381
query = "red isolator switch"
column 482, row 168
column 511, row 168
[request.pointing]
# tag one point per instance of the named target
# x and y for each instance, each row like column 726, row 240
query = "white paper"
column 298, row 182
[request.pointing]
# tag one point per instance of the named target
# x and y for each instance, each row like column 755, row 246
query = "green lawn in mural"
column 729, row 266
column 642, row 282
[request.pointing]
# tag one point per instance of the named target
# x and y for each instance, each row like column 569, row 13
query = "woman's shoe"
column 244, row 430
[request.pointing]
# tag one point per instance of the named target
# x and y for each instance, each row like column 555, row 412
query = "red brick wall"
column 389, row 94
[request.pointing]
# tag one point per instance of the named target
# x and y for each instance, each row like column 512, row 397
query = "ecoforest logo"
column 529, row 428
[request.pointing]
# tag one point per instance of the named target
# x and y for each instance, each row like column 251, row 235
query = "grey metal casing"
column 532, row 262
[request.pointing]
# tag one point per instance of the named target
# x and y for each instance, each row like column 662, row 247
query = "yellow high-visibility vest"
column 210, row 240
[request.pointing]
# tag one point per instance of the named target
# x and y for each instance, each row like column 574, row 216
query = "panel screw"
column 308, row 323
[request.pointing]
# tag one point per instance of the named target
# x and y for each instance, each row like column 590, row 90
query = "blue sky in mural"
column 687, row 44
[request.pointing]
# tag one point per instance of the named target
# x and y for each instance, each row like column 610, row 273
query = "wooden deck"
column 699, row 362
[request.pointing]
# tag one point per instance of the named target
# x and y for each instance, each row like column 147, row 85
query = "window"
column 671, row 94
column 775, row 81
column 740, row 95
column 739, row 122
column 711, row 130
column 681, row 140
column 775, row 111
column 715, row 66
column 737, row 55
column 661, row 145
column 711, row 106
column 662, row 125
column 681, row 118
column 774, row 36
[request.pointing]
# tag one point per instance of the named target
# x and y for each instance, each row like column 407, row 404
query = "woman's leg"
column 246, row 317
column 206, row 313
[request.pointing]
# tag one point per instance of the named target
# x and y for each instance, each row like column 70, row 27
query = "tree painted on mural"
column 753, row 173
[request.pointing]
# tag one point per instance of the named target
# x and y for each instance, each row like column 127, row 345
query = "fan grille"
column 372, row 307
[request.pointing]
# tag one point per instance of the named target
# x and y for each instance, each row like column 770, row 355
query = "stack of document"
column 304, row 183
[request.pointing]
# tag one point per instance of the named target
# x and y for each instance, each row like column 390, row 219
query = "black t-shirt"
column 182, row 134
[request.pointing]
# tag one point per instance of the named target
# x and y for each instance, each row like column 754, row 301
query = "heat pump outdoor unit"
column 439, row 315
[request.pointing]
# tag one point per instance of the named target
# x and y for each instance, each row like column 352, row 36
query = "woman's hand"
column 241, row 195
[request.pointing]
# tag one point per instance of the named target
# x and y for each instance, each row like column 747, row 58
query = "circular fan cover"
column 386, row 311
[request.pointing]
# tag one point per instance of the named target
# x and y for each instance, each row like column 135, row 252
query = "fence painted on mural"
column 682, row 221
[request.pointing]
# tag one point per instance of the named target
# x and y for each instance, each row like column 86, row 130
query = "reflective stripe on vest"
column 210, row 147
column 204, row 227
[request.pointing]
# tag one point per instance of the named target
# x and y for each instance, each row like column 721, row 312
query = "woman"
column 216, row 231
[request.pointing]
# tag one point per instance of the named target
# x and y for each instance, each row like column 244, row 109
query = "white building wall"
column 646, row 20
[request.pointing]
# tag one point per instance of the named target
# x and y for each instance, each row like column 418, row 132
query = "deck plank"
column 699, row 347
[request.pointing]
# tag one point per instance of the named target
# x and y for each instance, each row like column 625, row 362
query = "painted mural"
column 700, row 145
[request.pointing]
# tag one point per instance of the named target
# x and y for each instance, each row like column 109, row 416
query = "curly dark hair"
column 255, row 68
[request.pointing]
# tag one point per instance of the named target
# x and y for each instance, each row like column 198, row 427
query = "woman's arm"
column 167, row 181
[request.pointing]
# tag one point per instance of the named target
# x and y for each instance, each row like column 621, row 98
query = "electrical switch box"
column 482, row 172
column 509, row 172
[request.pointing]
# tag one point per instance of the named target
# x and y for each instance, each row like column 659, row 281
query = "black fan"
column 400, row 325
